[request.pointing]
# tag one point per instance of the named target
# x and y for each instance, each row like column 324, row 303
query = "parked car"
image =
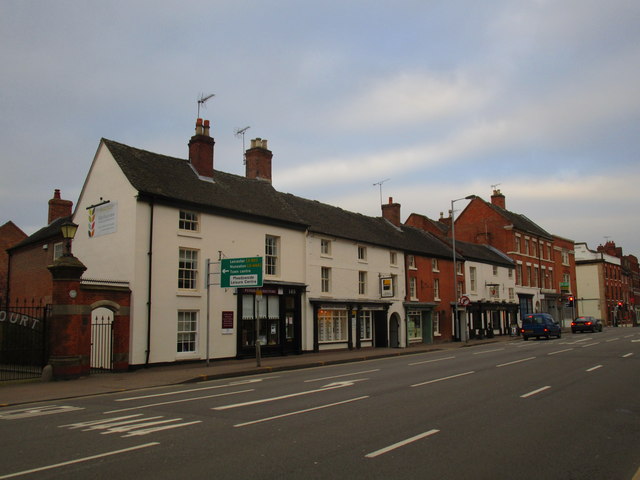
column 540, row 325
column 586, row 324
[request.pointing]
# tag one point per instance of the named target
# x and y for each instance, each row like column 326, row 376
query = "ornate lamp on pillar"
column 69, row 329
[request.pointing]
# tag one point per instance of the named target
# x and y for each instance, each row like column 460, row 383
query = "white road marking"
column 443, row 378
column 300, row 411
column 401, row 444
column 78, row 460
column 535, row 392
column 132, row 425
column 594, row 368
column 330, row 386
column 37, row 411
column 340, row 376
column 613, row 339
column 140, row 407
column 560, row 351
column 431, row 361
column 515, row 361
column 488, row 351
column 627, row 355
column 179, row 392
column 590, row 344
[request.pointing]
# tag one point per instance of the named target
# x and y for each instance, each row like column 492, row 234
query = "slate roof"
column 484, row 254
column 44, row 234
column 174, row 180
column 521, row 222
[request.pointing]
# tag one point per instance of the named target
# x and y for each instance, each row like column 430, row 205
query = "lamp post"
column 68, row 230
column 462, row 332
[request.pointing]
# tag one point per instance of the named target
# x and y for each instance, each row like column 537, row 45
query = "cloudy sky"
column 439, row 99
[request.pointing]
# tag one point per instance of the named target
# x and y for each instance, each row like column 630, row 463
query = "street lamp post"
column 68, row 230
column 462, row 331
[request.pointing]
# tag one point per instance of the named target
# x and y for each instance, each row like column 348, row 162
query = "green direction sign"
column 241, row 272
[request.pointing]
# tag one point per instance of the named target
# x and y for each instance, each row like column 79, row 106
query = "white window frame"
column 188, row 268
column 436, row 289
column 325, row 279
column 187, row 332
column 436, row 324
column 413, row 288
column 362, row 282
column 325, row 247
column 332, row 326
column 434, row 265
column 473, row 279
column 188, row 221
column 366, row 325
column 58, row 250
column 362, row 253
column 271, row 255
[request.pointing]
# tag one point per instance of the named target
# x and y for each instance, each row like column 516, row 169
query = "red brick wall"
column 30, row 280
column 10, row 235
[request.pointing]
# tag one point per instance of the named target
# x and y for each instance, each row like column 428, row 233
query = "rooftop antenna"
column 202, row 100
column 238, row 132
column 380, row 185
column 493, row 187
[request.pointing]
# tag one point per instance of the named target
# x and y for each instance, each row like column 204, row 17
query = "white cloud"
column 408, row 97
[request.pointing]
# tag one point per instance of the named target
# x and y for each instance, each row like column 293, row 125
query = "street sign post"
column 241, row 272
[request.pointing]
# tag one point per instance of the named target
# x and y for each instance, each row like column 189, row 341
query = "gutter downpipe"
column 150, row 255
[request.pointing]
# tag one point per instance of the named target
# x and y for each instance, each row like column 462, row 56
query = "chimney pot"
column 201, row 149
column 258, row 160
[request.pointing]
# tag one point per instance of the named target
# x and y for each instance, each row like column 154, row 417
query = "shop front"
column 419, row 322
column 272, row 314
column 487, row 319
column 347, row 324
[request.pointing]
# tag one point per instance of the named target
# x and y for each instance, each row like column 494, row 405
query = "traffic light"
column 570, row 300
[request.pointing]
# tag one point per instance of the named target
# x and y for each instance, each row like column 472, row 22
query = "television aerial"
column 240, row 132
column 203, row 99
column 380, row 185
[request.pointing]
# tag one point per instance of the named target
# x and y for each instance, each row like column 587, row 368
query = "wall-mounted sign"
column 386, row 287
column 227, row 322
column 241, row 272
column 103, row 219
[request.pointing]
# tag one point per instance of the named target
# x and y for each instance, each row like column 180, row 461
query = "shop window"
column 414, row 324
column 332, row 325
column 366, row 322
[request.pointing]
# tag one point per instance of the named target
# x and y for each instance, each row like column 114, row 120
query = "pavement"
column 23, row 392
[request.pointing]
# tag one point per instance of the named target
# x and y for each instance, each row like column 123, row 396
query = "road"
column 564, row 408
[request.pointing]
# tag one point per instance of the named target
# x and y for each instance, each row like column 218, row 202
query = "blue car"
column 540, row 325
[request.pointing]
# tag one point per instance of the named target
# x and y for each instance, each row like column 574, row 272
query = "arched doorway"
column 394, row 331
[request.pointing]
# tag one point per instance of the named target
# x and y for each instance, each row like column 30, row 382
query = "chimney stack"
column 201, row 149
column 258, row 160
column 59, row 208
column 391, row 212
column 498, row 199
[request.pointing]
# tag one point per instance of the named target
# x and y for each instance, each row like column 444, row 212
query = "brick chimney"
column 59, row 208
column 391, row 212
column 258, row 160
column 498, row 200
column 201, row 149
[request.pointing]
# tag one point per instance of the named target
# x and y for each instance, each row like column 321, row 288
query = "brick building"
column 544, row 263
column 10, row 235
column 29, row 282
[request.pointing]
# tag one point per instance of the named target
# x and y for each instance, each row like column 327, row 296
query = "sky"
column 425, row 101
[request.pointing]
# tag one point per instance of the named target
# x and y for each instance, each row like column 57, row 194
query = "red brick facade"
column 10, row 235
